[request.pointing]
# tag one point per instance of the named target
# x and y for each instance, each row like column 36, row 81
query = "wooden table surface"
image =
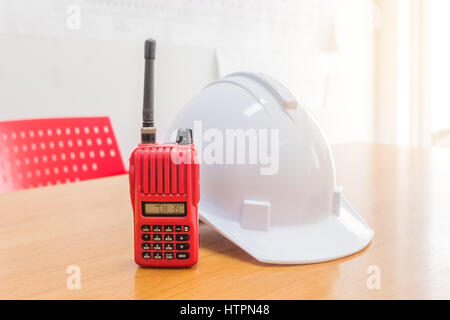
column 403, row 193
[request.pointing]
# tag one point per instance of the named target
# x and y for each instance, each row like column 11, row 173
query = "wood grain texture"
column 403, row 193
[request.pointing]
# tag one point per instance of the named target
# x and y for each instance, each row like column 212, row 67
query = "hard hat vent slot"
column 255, row 215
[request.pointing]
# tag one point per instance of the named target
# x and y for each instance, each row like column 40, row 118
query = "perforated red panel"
column 42, row 152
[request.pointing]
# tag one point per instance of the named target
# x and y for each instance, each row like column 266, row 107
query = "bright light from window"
column 440, row 55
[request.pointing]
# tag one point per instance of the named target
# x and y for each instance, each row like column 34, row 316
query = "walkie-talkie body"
column 164, row 192
column 164, row 189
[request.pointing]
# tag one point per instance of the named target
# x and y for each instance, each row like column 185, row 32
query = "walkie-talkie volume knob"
column 184, row 136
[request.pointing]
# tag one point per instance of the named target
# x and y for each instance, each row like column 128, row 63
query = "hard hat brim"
column 332, row 238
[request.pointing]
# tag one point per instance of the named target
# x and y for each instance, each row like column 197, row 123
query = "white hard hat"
column 290, row 214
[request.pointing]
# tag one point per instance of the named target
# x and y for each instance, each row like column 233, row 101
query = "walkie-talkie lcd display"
column 162, row 209
column 164, row 189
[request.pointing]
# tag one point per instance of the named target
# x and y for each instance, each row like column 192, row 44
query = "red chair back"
column 43, row 152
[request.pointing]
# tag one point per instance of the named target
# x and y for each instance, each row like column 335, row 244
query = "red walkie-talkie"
column 164, row 189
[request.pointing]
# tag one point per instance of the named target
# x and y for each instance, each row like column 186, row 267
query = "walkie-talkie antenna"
column 148, row 131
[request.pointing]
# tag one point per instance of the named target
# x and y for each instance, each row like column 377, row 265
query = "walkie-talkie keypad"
column 146, row 237
column 168, row 255
column 182, row 237
column 182, row 255
column 182, row 246
column 157, row 255
column 146, row 255
column 161, row 238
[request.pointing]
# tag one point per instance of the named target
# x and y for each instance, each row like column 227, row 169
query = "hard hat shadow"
column 218, row 255
column 214, row 242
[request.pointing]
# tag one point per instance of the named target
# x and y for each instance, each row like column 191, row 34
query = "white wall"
column 50, row 77
column 322, row 50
